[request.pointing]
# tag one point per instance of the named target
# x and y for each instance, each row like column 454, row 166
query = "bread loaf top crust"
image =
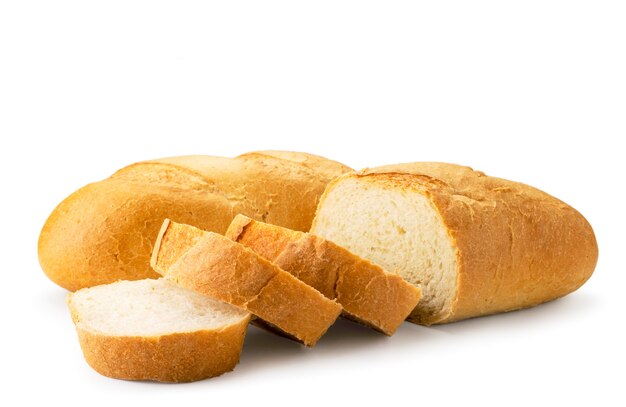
column 105, row 231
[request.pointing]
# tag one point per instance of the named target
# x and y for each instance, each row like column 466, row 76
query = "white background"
column 533, row 91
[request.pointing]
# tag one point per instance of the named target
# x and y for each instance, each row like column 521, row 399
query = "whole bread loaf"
column 475, row 244
column 105, row 231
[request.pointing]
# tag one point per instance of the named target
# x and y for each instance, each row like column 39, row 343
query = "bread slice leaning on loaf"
column 153, row 330
column 476, row 244
column 104, row 232
column 366, row 292
column 214, row 265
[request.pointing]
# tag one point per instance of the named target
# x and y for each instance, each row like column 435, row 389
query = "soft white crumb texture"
column 150, row 308
column 399, row 230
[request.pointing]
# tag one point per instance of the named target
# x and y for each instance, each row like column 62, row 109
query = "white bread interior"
column 150, row 308
column 400, row 231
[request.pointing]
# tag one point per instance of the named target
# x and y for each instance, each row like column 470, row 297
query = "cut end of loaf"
column 398, row 229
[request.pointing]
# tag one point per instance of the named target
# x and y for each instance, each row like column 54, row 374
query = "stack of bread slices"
column 173, row 258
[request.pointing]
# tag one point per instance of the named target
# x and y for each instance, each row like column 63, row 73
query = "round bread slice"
column 214, row 265
column 154, row 330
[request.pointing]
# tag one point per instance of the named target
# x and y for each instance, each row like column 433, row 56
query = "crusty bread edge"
column 157, row 244
column 237, row 227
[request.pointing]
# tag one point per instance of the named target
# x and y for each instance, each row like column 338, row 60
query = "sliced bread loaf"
column 216, row 266
column 475, row 244
column 153, row 330
column 365, row 291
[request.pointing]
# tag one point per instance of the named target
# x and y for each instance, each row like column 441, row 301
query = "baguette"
column 153, row 330
column 476, row 244
column 213, row 265
column 104, row 231
column 366, row 292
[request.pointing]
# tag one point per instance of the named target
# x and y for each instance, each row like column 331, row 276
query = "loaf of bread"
column 153, row 330
column 214, row 265
column 104, row 232
column 476, row 244
column 366, row 292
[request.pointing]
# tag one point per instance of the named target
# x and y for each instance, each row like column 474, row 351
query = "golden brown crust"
column 177, row 357
column 317, row 164
column 226, row 270
column 365, row 291
column 516, row 245
column 105, row 231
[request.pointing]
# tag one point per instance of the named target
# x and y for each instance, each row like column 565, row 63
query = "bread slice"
column 216, row 266
column 476, row 244
column 365, row 291
column 154, row 330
